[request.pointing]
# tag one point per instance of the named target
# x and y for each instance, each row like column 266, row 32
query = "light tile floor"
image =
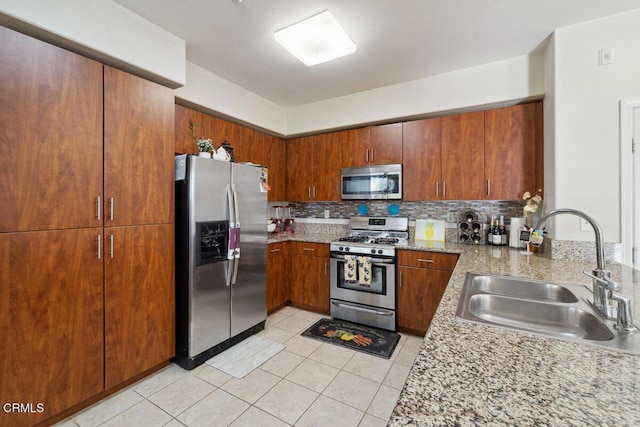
column 309, row 383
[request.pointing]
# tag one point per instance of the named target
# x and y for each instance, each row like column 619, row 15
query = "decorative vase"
column 204, row 154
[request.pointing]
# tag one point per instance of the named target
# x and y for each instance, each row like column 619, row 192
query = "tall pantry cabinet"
column 86, row 227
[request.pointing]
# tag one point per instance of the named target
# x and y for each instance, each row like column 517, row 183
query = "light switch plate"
column 451, row 217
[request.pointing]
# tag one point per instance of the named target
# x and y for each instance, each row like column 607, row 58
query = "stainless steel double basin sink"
column 556, row 310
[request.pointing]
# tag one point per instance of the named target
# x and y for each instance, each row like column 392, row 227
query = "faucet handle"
column 607, row 283
column 624, row 321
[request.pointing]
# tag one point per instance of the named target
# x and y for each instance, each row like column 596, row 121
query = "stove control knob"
column 340, row 248
column 373, row 251
column 346, row 249
column 380, row 251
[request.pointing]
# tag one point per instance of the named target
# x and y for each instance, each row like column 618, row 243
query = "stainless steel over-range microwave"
column 372, row 182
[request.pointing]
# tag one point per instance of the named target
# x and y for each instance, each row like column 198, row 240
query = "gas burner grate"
column 385, row 241
column 353, row 239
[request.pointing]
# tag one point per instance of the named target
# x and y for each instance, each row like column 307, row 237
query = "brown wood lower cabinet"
column 139, row 300
column 278, row 263
column 422, row 279
column 310, row 276
column 51, row 312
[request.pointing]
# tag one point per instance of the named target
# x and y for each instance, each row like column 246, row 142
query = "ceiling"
column 397, row 41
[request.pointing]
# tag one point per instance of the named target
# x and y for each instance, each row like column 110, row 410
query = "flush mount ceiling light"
column 317, row 39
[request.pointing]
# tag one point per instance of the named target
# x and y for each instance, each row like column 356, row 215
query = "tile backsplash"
column 414, row 210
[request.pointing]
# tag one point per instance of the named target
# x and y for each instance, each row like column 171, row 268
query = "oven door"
column 382, row 291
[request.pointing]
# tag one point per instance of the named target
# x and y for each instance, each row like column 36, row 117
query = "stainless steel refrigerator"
column 221, row 261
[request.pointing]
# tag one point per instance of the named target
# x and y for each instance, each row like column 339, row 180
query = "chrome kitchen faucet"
column 603, row 286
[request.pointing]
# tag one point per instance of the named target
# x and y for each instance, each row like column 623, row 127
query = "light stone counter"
column 468, row 374
column 473, row 375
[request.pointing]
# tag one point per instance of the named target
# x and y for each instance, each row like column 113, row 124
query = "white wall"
column 103, row 30
column 508, row 80
column 214, row 93
column 585, row 144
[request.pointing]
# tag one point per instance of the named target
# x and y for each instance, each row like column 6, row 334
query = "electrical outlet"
column 451, row 217
column 326, row 213
column 585, row 226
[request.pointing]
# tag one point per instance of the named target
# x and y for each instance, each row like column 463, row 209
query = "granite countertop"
column 469, row 374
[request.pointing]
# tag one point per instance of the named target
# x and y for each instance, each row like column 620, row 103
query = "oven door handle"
column 366, row 310
column 373, row 260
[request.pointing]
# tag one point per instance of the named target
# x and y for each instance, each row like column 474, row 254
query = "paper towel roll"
column 517, row 223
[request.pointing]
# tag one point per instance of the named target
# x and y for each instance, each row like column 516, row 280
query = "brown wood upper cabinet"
column 139, row 137
column 512, row 145
column 51, row 144
column 373, row 145
column 313, row 167
column 275, row 159
column 485, row 155
column 444, row 158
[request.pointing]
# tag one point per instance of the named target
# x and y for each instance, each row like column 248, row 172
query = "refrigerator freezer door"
column 209, row 296
column 249, row 292
column 209, row 307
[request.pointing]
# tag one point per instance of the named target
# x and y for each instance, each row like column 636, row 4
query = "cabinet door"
column 510, row 151
column 310, row 282
column 51, row 143
column 139, row 132
column 250, row 146
column 299, row 169
column 386, row 144
column 139, row 300
column 277, row 275
column 327, row 161
column 463, row 157
column 422, row 156
column 419, row 293
column 51, row 314
column 355, row 146
column 275, row 153
column 184, row 142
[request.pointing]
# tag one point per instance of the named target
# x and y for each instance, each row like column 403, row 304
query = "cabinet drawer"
column 313, row 249
column 275, row 249
column 433, row 260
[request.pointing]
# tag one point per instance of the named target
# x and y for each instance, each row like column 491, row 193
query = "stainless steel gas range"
column 363, row 271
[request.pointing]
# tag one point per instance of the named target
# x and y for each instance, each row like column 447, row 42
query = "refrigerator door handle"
column 236, row 262
column 232, row 231
column 229, row 272
column 237, row 222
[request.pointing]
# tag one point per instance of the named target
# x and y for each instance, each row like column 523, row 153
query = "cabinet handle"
column 437, row 192
column 309, row 192
column 400, row 278
column 274, row 250
column 372, row 156
column 111, row 208
column 488, row 187
column 99, row 247
column 426, row 260
column 314, row 192
column 366, row 156
column 325, row 268
column 99, row 215
column 308, row 249
column 111, row 249
column 444, row 188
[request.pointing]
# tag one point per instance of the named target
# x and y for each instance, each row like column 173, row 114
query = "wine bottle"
column 497, row 240
column 503, row 232
column 490, row 233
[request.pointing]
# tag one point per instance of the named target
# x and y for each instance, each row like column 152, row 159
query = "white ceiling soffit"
column 397, row 41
